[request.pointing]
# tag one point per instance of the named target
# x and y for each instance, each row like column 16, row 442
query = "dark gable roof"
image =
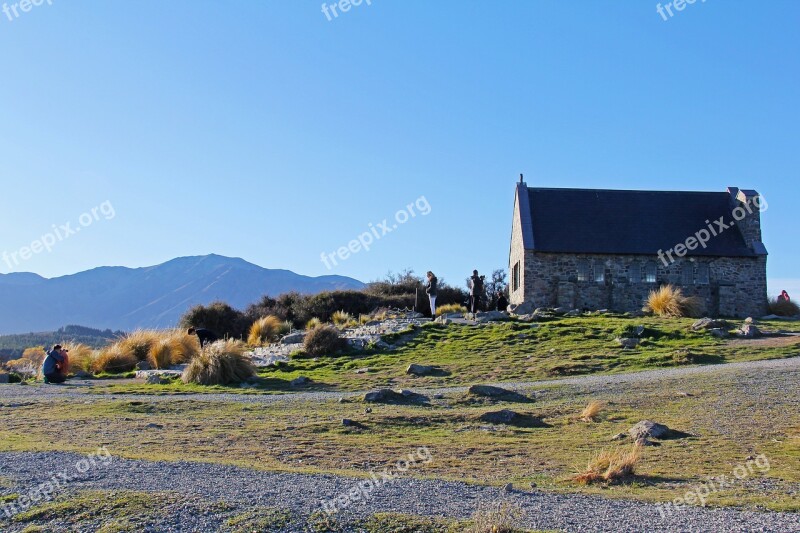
column 629, row 222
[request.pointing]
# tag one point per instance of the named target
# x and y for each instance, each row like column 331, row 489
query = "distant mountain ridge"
column 122, row 298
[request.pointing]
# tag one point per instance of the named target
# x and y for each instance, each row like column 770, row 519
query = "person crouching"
column 56, row 365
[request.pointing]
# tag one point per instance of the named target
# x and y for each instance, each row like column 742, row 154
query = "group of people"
column 477, row 292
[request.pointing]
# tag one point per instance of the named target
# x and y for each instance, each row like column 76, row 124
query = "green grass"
column 510, row 351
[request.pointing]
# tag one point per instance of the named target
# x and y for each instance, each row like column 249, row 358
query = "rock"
column 419, row 370
column 509, row 487
column 628, row 343
column 82, row 374
column 647, row 429
column 524, row 308
column 4, row 378
column 397, row 397
column 533, row 485
column 639, row 331
column 710, row 323
column 560, row 311
column 720, row 333
column 749, row 331
column 620, row 436
column 143, row 365
column 154, row 426
column 300, row 382
column 154, row 379
column 438, row 396
column 511, row 418
column 497, row 393
column 490, row 316
column 294, row 338
column 362, row 370
column 574, row 313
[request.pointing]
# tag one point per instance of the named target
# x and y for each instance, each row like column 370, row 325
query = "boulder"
column 155, row 379
column 560, row 311
column 301, row 381
column 294, row 338
column 511, row 418
column 574, row 313
column 647, row 429
column 628, row 343
column 524, row 308
column 710, row 323
column 497, row 393
column 720, row 333
column 419, row 370
column 396, row 397
column 749, row 331
column 490, row 316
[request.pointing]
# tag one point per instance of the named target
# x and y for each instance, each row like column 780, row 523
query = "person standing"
column 430, row 290
column 55, row 365
column 475, row 292
column 502, row 303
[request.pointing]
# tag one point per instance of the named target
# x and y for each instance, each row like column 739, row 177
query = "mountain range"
column 122, row 298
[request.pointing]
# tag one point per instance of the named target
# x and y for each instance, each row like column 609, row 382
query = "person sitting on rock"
column 206, row 336
column 55, row 365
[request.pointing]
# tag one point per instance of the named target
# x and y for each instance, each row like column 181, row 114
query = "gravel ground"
column 84, row 388
column 302, row 493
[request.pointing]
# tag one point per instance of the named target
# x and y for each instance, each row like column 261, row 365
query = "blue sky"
column 263, row 130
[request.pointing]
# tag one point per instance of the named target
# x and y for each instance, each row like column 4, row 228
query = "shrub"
column 114, row 360
column 161, row 354
column 35, row 354
column 342, row 320
column 610, row 466
column 139, row 343
column 264, row 330
column 81, row 357
column 783, row 307
column 313, row 323
column 450, row 308
column 324, row 340
column 185, row 347
column 592, row 411
column 221, row 363
column 669, row 301
column 23, row 367
column 499, row 517
column 219, row 317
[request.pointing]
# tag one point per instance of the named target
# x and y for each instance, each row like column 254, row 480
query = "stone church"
column 608, row 249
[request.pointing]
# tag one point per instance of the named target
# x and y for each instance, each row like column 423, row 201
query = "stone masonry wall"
column 737, row 287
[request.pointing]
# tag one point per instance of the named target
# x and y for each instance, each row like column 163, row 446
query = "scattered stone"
column 628, row 343
column 419, row 370
column 154, row 379
column 710, row 323
column 368, row 410
column 396, row 397
column 294, row 338
column 749, row 331
column 574, row 313
column 719, row 333
column 301, row 381
column 497, row 393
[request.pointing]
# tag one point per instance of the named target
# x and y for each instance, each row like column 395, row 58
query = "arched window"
column 703, row 274
column 584, row 270
column 635, row 272
column 687, row 274
column 650, row 272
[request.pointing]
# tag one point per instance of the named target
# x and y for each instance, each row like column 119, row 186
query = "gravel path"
column 302, row 495
column 85, row 389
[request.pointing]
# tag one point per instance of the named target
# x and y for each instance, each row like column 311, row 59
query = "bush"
column 81, row 357
column 313, row 323
column 218, row 317
column 324, row 340
column 342, row 320
column 139, row 343
column 669, row 301
column 450, row 308
column 265, row 330
column 610, row 465
column 185, row 347
column 114, row 360
column 592, row 411
column 23, row 367
column 499, row 517
column 221, row 363
column 783, row 308
column 35, row 354
column 161, row 354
